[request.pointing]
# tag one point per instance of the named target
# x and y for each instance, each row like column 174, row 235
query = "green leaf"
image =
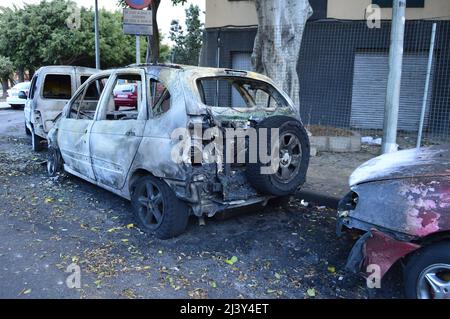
column 311, row 292
column 232, row 260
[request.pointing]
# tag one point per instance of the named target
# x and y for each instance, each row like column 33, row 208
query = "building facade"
column 343, row 63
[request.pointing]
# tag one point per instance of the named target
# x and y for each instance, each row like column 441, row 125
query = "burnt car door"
column 75, row 126
column 117, row 132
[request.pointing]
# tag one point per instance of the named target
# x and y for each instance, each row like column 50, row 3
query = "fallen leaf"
column 311, row 292
column 213, row 284
column 232, row 260
column 129, row 226
column 332, row 269
column 26, row 292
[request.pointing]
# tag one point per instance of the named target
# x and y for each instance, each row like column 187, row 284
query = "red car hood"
column 429, row 161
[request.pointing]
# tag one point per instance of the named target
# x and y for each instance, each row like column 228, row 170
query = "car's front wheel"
column 157, row 209
column 54, row 161
column 36, row 142
column 427, row 273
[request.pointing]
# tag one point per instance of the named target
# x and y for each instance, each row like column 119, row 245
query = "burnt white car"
column 51, row 88
column 143, row 155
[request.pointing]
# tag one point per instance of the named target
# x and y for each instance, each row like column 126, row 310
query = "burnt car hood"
column 429, row 161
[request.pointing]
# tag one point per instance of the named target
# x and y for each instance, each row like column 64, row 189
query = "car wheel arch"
column 434, row 238
column 137, row 173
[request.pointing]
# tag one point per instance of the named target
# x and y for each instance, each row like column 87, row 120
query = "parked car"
column 133, row 152
column 401, row 203
column 17, row 95
column 51, row 88
column 125, row 95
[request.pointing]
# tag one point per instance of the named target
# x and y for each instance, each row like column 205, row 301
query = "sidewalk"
column 328, row 173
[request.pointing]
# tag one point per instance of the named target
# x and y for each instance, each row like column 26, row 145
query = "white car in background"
column 17, row 95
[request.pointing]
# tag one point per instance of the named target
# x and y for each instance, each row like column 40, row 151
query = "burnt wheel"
column 427, row 273
column 157, row 209
column 293, row 157
column 36, row 142
column 54, row 161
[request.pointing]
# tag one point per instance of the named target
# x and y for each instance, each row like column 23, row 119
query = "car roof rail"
column 167, row 65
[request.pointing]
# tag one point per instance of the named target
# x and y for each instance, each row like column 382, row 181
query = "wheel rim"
column 434, row 282
column 151, row 206
column 290, row 158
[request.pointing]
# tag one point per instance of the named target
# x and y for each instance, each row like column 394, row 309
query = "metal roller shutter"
column 369, row 90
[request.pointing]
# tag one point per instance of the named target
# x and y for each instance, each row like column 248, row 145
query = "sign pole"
column 138, row 49
column 97, row 37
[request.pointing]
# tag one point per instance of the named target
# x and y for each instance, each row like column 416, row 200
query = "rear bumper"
column 15, row 101
column 125, row 102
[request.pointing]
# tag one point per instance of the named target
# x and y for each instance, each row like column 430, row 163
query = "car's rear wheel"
column 427, row 273
column 293, row 157
column 157, row 209
column 54, row 162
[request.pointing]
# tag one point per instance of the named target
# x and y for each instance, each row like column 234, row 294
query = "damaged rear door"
column 117, row 132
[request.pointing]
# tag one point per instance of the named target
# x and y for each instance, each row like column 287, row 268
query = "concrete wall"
column 355, row 10
column 221, row 13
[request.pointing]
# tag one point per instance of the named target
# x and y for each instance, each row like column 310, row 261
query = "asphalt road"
column 47, row 224
column 11, row 121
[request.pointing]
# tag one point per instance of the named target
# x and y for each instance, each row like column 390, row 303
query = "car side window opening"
column 237, row 92
column 57, row 87
column 33, row 86
column 84, row 78
column 85, row 103
column 160, row 97
column 124, row 102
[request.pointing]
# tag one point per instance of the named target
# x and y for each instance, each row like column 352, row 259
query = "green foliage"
column 187, row 45
column 6, row 68
column 39, row 34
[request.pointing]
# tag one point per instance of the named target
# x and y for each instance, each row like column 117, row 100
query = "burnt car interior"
column 238, row 92
column 57, row 86
column 85, row 103
column 160, row 98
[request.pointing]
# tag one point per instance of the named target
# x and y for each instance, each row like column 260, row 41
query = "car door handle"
column 130, row 133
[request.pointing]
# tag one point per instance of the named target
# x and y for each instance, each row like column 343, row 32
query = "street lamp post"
column 97, row 37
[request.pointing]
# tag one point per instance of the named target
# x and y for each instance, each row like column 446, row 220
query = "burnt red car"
column 401, row 203
column 125, row 95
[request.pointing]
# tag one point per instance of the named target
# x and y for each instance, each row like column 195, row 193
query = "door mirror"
column 22, row 95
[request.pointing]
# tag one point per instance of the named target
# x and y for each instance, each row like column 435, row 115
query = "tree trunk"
column 277, row 45
column 152, row 55
column 4, row 88
column 21, row 73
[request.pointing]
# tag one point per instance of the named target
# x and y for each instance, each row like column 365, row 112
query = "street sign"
column 138, row 4
column 137, row 22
